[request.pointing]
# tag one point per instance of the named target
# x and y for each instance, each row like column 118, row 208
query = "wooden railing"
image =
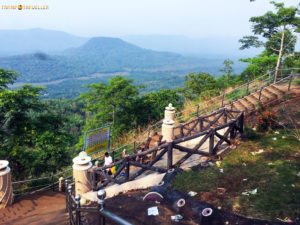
column 203, row 128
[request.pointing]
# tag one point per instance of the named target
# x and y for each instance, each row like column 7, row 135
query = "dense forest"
column 39, row 136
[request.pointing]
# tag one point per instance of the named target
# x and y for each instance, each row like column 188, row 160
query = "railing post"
column 259, row 97
column 201, row 123
column 52, row 181
column 170, row 156
column 232, row 131
column 211, row 141
column 78, row 217
column 247, row 92
column 291, row 79
column 223, row 97
column 127, row 170
column 198, row 110
column 60, row 184
column 67, row 194
column 101, row 194
column 225, row 115
column 241, row 124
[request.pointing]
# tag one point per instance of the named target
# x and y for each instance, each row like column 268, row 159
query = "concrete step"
column 241, row 106
column 276, row 89
column 271, row 93
column 252, row 99
column 249, row 104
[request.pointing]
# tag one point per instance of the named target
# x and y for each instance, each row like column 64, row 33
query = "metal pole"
column 52, row 181
column 260, row 93
column 69, row 204
column 78, row 217
column 66, row 192
column 198, row 110
column 290, row 82
column 101, row 194
column 247, row 92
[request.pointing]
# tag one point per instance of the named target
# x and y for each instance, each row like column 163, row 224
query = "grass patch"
column 273, row 173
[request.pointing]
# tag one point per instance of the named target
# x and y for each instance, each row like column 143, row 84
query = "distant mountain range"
column 63, row 62
column 98, row 55
column 37, row 40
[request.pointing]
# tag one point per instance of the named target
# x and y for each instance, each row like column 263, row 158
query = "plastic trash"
column 274, row 138
column 276, row 132
column 207, row 212
column 153, row 211
column 177, row 217
column 221, row 171
column 253, row 192
column 298, row 174
column 192, row 193
column 218, row 163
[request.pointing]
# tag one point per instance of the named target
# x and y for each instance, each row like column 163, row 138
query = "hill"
column 33, row 40
column 98, row 55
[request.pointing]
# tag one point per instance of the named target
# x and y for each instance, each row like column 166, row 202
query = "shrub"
column 266, row 120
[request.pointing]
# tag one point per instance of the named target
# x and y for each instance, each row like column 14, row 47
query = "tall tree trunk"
column 279, row 57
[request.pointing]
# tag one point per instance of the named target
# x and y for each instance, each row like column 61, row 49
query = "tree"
column 278, row 29
column 227, row 71
column 257, row 65
column 199, row 84
column 153, row 105
column 31, row 135
column 111, row 103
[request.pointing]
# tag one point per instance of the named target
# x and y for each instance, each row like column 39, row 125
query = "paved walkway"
column 42, row 208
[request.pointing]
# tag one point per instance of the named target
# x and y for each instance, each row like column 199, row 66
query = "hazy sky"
column 193, row 18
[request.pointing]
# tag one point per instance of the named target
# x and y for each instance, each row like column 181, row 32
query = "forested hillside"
column 98, row 55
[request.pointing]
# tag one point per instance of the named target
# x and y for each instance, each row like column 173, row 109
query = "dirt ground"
column 35, row 209
column 131, row 207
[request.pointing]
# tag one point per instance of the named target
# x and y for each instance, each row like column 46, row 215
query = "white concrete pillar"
column 80, row 173
column 6, row 192
column 170, row 112
column 167, row 129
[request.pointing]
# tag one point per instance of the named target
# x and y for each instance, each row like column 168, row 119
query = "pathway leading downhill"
column 44, row 208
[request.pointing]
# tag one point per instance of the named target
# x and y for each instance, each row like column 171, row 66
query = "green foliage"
column 257, row 66
column 278, row 29
column 201, row 84
column 272, row 172
column 7, row 77
column 119, row 103
column 31, row 134
column 153, row 105
column 111, row 103
column 251, row 134
column 271, row 25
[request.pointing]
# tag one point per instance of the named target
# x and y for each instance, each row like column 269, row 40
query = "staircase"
column 268, row 95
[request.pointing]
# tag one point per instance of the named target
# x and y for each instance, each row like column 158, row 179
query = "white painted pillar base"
column 167, row 130
column 80, row 173
column 170, row 112
column 6, row 191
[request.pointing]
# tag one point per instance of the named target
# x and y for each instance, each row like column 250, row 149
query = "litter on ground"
column 253, row 192
column 176, row 218
column 192, row 193
column 153, row 211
